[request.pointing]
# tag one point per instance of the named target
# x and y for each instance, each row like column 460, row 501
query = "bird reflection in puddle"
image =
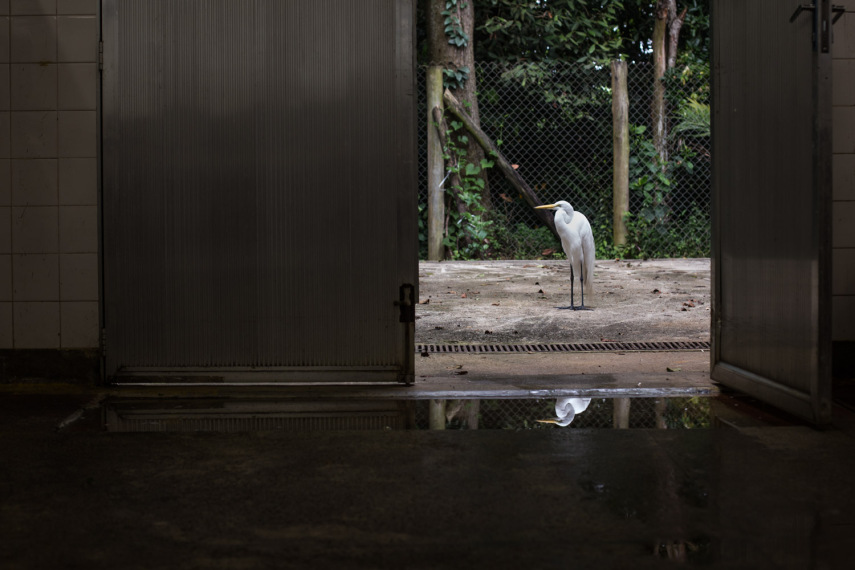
column 566, row 410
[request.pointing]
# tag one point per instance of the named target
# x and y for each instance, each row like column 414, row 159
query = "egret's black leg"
column 582, row 284
column 571, row 289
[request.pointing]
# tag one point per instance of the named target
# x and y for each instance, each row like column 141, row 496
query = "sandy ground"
column 487, row 302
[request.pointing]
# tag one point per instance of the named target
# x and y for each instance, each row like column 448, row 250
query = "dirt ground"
column 500, row 302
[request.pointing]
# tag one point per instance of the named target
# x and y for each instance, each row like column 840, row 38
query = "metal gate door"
column 259, row 190
column 772, row 189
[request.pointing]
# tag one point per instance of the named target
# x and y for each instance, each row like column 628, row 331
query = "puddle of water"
column 247, row 415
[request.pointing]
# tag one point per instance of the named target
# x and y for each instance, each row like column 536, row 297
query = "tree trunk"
column 660, row 66
column 453, row 57
column 666, row 36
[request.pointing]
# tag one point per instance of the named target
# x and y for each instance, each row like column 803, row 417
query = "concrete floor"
column 757, row 490
column 477, row 302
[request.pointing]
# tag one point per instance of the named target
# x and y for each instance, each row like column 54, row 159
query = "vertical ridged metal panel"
column 258, row 183
column 769, row 240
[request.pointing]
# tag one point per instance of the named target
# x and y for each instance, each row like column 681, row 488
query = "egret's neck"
column 565, row 214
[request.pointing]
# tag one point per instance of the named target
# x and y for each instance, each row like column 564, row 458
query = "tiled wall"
column 48, row 181
column 843, row 212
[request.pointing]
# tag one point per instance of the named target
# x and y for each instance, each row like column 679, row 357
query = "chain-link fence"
column 555, row 123
column 520, row 414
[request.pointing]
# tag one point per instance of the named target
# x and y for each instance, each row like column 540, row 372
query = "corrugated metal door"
column 772, row 180
column 259, row 189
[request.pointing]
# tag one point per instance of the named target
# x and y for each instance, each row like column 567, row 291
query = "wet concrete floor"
column 763, row 494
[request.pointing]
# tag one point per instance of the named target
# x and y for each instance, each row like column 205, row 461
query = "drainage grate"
column 563, row 347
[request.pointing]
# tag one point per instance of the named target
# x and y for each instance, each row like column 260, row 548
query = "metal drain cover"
column 667, row 346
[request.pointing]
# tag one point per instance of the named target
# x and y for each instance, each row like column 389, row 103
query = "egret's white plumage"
column 566, row 410
column 577, row 239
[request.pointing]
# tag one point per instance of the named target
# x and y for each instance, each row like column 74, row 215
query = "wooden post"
column 620, row 128
column 435, row 168
column 436, row 414
column 620, row 414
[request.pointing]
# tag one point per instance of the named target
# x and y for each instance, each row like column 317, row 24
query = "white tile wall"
column 26, row 7
column 843, row 208
column 34, row 182
column 6, row 324
column 843, row 261
column 5, row 278
column 36, row 324
column 48, row 174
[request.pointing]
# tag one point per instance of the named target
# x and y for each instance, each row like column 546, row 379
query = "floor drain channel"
column 563, row 347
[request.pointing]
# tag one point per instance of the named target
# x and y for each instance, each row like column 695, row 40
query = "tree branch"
column 509, row 172
column 674, row 27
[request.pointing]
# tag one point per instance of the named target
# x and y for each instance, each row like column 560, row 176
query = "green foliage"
column 692, row 413
column 635, row 20
column 455, row 78
column 694, row 119
column 523, row 242
column 423, row 232
column 453, row 27
column 559, row 30
column 468, row 234
column 658, row 229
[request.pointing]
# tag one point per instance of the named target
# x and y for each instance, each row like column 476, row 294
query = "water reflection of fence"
column 652, row 413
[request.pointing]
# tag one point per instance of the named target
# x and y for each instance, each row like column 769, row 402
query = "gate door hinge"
column 407, row 303
column 826, row 20
column 101, row 55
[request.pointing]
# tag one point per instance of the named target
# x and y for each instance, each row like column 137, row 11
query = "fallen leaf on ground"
column 461, row 372
column 673, row 369
column 425, row 302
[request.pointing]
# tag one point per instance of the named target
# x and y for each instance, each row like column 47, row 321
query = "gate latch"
column 407, row 302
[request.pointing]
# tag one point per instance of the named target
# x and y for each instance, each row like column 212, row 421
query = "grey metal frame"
column 771, row 206
column 259, row 190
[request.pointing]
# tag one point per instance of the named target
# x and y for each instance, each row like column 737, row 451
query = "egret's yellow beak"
column 547, row 421
column 546, row 207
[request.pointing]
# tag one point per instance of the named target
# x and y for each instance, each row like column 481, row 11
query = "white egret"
column 577, row 239
column 566, row 410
